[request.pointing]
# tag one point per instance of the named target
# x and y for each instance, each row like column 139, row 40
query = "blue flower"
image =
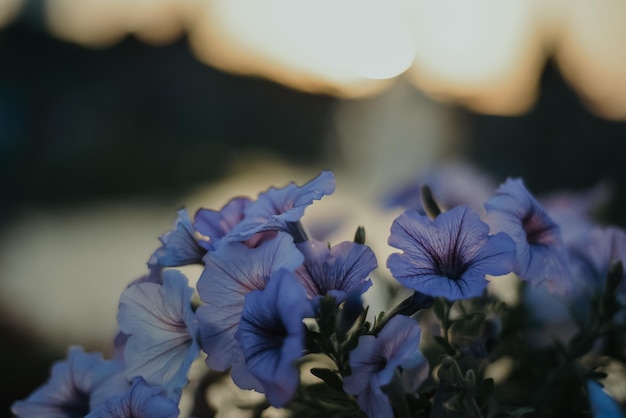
column 572, row 210
column 592, row 254
column 602, row 404
column 140, row 401
column 453, row 184
column 449, row 256
column 231, row 272
column 374, row 362
column 76, row 385
column 271, row 335
column 155, row 275
column 276, row 208
column 541, row 257
column 336, row 271
column 215, row 225
column 181, row 246
column 161, row 329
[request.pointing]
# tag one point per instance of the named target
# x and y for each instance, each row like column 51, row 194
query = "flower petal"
column 215, row 225
column 271, row 335
column 161, row 329
column 76, row 385
column 231, row 272
column 180, row 246
column 275, row 208
column 541, row 257
column 140, row 401
column 375, row 359
column 339, row 270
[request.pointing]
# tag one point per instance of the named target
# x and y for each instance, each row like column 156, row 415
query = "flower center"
column 77, row 406
column 453, row 271
column 537, row 231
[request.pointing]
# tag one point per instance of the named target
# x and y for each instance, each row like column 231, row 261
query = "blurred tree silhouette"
column 558, row 145
column 133, row 119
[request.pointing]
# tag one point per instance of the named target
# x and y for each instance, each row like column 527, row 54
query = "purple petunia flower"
column 140, row 401
column 592, row 254
column 155, row 275
column 76, row 385
column 161, row 329
column 271, row 335
column 231, row 272
column 215, row 225
column 181, row 246
column 454, row 183
column 374, row 362
column 541, row 257
column 572, row 210
column 336, row 271
column 276, row 208
column 448, row 256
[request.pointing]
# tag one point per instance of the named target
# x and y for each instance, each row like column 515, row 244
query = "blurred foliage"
column 558, row 145
column 134, row 120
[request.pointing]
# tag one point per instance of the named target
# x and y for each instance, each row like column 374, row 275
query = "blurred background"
column 114, row 114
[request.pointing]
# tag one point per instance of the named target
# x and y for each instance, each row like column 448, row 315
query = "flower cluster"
column 283, row 315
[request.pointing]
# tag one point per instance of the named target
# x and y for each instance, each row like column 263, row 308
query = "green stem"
column 408, row 307
column 297, row 232
column 445, row 321
column 395, row 391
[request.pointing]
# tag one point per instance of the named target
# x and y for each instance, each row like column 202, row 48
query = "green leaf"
column 431, row 207
column 440, row 308
column 486, row 389
column 516, row 411
column 596, row 375
column 449, row 374
column 580, row 345
column 359, row 235
column 472, row 316
column 320, row 401
column 330, row 377
column 419, row 406
column 445, row 345
column 468, row 324
column 614, row 278
column 314, row 341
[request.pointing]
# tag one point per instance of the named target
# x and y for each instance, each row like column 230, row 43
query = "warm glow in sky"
column 308, row 44
column 478, row 52
column 363, row 36
column 591, row 53
column 484, row 54
column 8, row 10
column 103, row 22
